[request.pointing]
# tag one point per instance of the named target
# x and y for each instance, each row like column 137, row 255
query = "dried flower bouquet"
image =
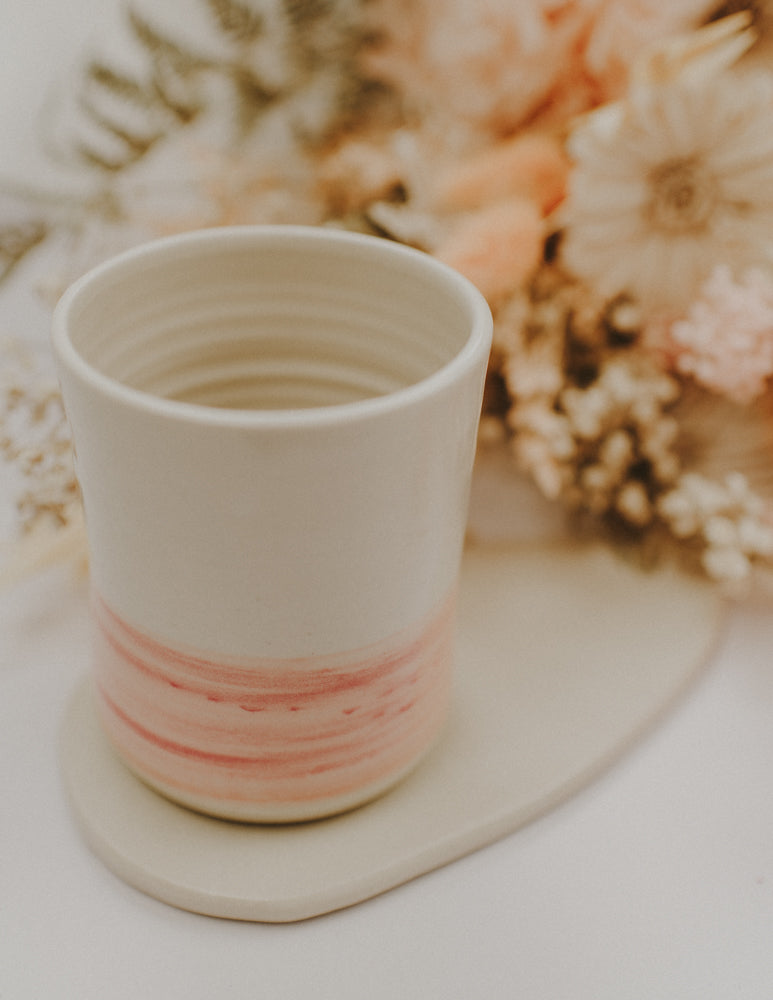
column 602, row 169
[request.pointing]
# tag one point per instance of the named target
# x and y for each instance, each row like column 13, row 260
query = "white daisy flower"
column 671, row 182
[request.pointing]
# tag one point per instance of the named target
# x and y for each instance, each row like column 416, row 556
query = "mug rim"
column 477, row 345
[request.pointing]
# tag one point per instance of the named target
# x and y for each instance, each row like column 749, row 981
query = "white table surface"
column 656, row 882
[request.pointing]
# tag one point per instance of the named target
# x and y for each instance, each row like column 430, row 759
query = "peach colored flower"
column 497, row 248
column 491, row 66
column 481, row 67
column 531, row 165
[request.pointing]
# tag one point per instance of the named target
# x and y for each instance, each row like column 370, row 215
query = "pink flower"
column 479, row 68
column 490, row 66
column 726, row 340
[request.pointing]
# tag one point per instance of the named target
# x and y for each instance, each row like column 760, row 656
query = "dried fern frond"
column 235, row 60
column 16, row 240
column 22, row 227
column 243, row 22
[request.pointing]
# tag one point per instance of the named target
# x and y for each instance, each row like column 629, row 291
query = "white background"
column 654, row 883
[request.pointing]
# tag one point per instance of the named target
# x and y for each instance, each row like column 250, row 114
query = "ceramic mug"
column 274, row 431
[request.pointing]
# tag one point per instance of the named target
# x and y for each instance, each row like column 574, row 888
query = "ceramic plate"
column 566, row 654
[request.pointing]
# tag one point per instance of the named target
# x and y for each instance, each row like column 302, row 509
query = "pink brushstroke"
column 267, row 730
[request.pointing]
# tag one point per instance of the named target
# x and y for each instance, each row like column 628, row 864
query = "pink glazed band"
column 246, row 735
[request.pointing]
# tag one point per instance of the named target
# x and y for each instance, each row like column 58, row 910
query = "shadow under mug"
column 275, row 430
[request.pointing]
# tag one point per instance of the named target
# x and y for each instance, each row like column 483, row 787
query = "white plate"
column 566, row 655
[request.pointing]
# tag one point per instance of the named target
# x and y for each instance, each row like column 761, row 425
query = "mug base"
column 277, row 813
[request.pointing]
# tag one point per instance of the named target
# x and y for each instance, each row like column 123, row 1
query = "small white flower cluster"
column 622, row 422
column 730, row 523
column 589, row 411
column 589, row 415
column 528, row 348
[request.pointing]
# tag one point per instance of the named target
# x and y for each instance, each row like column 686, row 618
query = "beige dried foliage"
column 36, row 449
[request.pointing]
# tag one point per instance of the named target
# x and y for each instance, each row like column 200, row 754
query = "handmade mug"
column 274, row 431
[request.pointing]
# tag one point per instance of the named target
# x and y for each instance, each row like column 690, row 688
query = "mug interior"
column 271, row 318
